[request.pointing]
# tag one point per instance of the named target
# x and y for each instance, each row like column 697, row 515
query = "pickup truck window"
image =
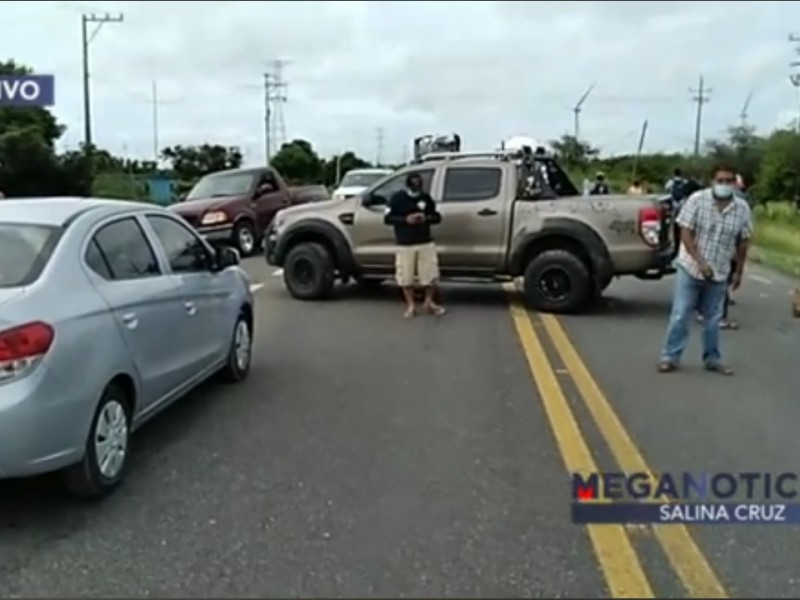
column 462, row 184
column 382, row 193
column 211, row 186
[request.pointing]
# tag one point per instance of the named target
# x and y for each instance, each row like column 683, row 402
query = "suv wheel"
column 557, row 281
column 309, row 272
column 105, row 459
column 244, row 238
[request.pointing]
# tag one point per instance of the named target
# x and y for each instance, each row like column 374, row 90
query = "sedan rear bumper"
column 41, row 430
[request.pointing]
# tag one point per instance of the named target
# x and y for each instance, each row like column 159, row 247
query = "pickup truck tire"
column 558, row 281
column 309, row 272
column 245, row 239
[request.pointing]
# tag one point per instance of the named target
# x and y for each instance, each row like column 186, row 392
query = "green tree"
column 298, row 163
column 779, row 171
column 29, row 165
column 574, row 153
column 338, row 165
column 192, row 162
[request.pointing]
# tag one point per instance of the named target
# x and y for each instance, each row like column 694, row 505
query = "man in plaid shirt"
column 716, row 228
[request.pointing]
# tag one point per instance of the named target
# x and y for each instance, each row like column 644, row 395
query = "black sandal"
column 667, row 367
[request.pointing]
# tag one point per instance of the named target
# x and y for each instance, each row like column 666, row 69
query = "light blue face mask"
column 723, row 191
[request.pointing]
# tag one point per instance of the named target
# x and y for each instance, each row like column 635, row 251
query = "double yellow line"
column 615, row 552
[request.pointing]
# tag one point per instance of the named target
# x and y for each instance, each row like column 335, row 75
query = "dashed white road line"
column 277, row 273
column 760, row 279
column 254, row 287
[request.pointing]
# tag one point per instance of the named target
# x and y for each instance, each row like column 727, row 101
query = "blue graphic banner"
column 753, row 513
column 27, row 90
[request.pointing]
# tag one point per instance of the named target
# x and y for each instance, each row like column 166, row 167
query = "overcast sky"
column 487, row 70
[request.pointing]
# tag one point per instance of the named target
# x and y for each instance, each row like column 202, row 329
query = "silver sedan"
column 109, row 311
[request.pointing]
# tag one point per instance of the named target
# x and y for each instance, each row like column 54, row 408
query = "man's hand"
column 706, row 270
column 415, row 218
column 736, row 280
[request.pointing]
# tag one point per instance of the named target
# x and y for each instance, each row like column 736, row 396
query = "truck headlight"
column 214, row 218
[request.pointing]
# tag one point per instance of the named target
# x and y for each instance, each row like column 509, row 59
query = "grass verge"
column 777, row 238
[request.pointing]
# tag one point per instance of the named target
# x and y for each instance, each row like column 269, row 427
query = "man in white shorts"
column 412, row 212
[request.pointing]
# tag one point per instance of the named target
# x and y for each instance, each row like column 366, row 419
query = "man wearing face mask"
column 411, row 212
column 716, row 227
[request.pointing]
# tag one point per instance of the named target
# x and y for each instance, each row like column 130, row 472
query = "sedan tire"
column 105, row 460
column 240, row 354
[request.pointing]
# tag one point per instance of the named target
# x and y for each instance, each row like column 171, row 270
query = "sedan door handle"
column 190, row 308
column 131, row 320
column 487, row 212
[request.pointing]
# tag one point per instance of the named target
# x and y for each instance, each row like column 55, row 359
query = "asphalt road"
column 371, row 456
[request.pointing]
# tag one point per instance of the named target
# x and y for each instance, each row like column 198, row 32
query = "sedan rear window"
column 25, row 251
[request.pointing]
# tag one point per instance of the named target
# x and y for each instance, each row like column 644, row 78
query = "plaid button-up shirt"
column 716, row 232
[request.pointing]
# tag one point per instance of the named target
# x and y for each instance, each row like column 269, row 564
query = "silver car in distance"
column 109, row 311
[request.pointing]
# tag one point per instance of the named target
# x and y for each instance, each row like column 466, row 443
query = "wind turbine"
column 743, row 114
column 577, row 111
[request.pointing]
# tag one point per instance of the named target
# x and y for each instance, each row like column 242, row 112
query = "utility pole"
column 86, row 39
column 155, row 122
column 794, row 76
column 274, row 99
column 379, row 147
column 701, row 97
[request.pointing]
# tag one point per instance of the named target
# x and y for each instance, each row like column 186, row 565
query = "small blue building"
column 160, row 189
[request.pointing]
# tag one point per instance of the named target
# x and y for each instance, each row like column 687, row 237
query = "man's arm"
column 432, row 215
column 687, row 221
column 743, row 243
column 392, row 217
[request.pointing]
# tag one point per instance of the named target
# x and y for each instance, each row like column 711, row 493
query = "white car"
column 356, row 181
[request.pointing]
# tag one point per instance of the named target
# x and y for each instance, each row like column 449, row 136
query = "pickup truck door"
column 268, row 199
column 475, row 207
column 373, row 241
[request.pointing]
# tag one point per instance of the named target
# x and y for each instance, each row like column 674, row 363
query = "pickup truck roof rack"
column 498, row 155
column 502, row 155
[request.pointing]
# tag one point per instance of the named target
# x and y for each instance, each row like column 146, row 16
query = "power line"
column 701, row 97
column 274, row 98
column 86, row 40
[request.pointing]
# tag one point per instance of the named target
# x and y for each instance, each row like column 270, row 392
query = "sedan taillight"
column 22, row 348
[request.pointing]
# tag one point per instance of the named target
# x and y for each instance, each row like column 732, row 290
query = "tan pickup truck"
column 504, row 215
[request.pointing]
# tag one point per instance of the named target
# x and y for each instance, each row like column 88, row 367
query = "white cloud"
column 484, row 69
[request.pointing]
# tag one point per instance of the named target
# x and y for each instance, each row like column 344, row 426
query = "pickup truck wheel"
column 244, row 238
column 557, row 281
column 309, row 272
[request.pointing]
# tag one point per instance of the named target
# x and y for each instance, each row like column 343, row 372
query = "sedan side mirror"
column 227, row 257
